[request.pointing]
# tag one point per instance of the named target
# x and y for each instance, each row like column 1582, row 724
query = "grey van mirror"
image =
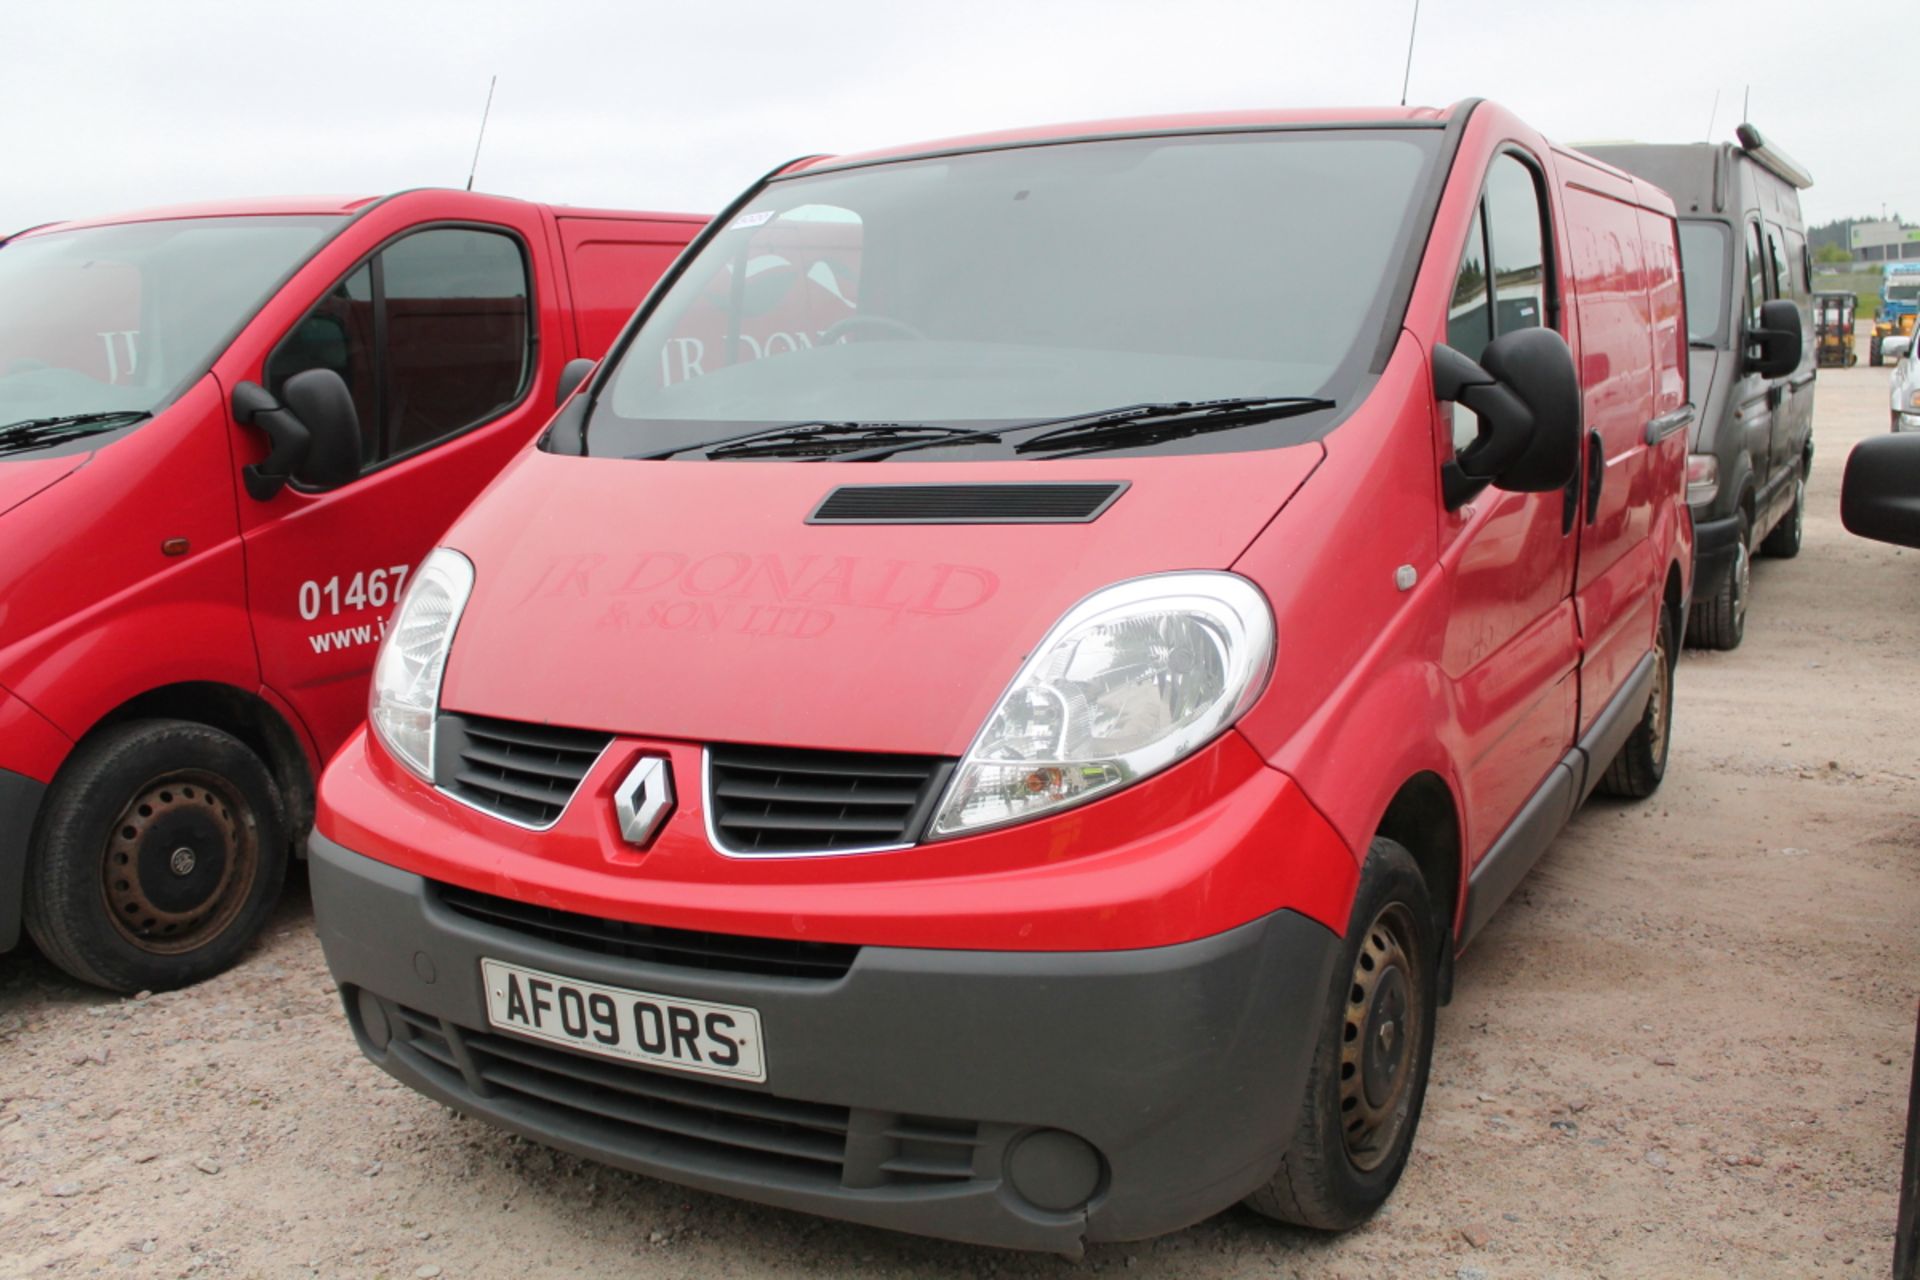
column 1526, row 393
column 1880, row 495
column 314, row 437
column 1776, row 343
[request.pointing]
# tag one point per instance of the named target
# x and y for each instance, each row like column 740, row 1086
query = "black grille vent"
column 965, row 503
column 655, row 1117
column 525, row 773
column 777, row 800
column 728, row 953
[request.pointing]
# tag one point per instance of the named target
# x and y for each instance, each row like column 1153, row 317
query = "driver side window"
column 433, row 335
column 1505, row 280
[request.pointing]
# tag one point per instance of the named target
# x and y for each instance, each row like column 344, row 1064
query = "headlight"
column 406, row 676
column 1703, row 478
column 1133, row 678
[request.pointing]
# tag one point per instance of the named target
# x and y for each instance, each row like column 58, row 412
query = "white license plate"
column 634, row 1026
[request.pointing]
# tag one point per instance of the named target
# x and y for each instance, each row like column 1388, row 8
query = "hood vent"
column 966, row 503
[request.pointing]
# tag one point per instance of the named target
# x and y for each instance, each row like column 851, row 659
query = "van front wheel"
column 1369, row 1072
column 158, row 856
column 1636, row 772
column 1720, row 620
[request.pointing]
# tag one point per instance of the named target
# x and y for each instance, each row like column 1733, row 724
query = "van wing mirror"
column 1880, row 494
column 1775, row 345
column 572, row 374
column 1526, row 393
column 313, row 438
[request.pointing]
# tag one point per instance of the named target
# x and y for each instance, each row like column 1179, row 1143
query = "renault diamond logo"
column 642, row 802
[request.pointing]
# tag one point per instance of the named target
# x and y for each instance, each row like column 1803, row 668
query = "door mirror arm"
column 313, row 438
column 287, row 440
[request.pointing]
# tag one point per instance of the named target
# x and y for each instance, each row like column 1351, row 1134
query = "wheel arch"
column 256, row 722
column 1424, row 818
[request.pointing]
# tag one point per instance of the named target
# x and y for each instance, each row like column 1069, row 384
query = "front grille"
column 726, row 953
column 776, row 800
column 1070, row 503
column 652, row 1116
column 525, row 773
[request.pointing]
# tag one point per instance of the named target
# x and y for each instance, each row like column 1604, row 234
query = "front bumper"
column 20, row 798
column 927, row 1071
column 1714, row 542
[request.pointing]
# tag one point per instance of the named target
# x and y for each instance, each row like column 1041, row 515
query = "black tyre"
column 1720, row 621
column 1784, row 542
column 1636, row 772
column 1369, row 1073
column 1873, row 352
column 157, row 858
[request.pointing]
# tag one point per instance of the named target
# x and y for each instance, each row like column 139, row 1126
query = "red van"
column 996, row 711
column 228, row 434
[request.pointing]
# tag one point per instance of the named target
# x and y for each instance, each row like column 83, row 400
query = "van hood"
column 695, row 601
column 22, row 478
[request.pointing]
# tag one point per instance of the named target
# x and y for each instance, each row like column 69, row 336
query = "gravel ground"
column 1680, row 1050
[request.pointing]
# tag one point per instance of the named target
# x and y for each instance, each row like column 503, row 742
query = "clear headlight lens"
column 405, row 697
column 1133, row 678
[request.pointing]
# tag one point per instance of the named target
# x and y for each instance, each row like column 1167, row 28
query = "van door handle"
column 1596, row 473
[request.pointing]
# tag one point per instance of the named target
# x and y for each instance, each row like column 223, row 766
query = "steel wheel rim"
column 1742, row 576
column 1659, row 710
column 179, row 864
column 1381, row 1032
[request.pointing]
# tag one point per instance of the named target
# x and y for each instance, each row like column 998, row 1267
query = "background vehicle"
column 1899, row 305
column 1060, row 823
column 1743, row 246
column 227, row 434
column 1904, row 390
column 1880, row 499
column 1833, row 329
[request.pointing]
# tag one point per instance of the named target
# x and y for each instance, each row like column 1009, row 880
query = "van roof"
column 295, row 206
column 1177, row 123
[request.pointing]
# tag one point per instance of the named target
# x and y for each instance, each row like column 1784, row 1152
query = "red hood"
column 691, row 600
column 21, row 478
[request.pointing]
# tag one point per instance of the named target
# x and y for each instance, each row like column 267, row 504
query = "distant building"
column 1883, row 241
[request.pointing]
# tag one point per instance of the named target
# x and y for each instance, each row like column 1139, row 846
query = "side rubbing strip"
column 966, row 503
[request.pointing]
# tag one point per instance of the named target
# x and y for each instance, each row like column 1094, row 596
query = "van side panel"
column 1615, row 359
column 611, row 264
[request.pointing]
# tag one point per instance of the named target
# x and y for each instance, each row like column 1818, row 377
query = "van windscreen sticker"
column 751, row 220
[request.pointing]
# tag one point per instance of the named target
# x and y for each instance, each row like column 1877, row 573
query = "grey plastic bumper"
column 1183, row 1066
column 19, row 804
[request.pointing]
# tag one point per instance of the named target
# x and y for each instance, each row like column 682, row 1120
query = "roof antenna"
column 1713, row 115
column 1746, row 95
column 1411, row 30
column 484, row 113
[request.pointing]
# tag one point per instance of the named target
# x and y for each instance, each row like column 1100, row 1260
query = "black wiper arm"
column 772, row 440
column 834, row 440
column 1121, row 433
column 38, row 433
column 1131, row 413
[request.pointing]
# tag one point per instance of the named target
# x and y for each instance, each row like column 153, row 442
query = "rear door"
column 1615, row 587
column 1754, row 397
column 449, row 335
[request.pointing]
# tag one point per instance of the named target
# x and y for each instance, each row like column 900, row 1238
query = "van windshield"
column 971, row 290
column 101, row 326
column 1703, row 266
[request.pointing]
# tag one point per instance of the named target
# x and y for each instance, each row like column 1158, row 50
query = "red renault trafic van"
column 228, row 434
column 994, row 713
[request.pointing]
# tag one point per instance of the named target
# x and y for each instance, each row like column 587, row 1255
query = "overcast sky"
column 112, row 105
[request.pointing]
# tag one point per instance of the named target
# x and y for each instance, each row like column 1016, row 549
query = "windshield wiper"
column 1169, row 419
column 819, row 439
column 38, row 433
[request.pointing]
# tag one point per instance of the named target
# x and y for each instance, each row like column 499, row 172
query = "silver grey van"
column 1749, row 282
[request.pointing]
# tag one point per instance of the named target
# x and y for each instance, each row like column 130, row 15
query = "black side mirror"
column 572, row 374
column 1526, row 393
column 1776, row 343
column 1880, row 494
column 313, row 438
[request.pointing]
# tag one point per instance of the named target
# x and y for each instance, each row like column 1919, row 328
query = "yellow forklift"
column 1833, row 329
